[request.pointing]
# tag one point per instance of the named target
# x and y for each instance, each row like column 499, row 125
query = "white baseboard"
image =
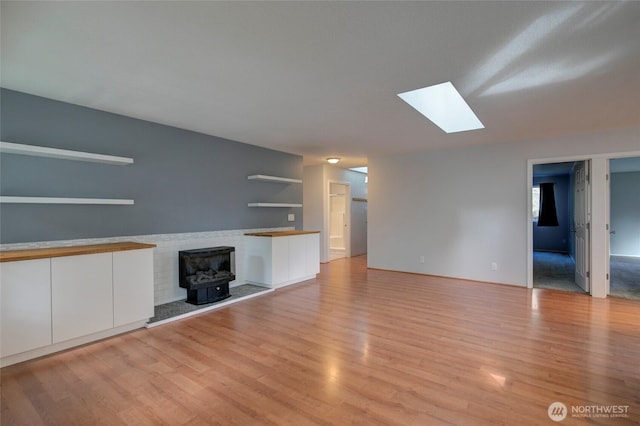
column 57, row 347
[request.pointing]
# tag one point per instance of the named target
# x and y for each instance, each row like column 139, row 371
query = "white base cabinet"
column 81, row 295
column 276, row 261
column 55, row 303
column 25, row 306
column 132, row 286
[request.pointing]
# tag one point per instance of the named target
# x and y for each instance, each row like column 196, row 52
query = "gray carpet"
column 174, row 309
column 625, row 277
column 555, row 271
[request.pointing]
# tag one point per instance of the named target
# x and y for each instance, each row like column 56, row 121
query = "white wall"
column 313, row 204
column 463, row 209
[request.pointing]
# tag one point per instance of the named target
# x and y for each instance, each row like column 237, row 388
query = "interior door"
column 338, row 224
column 581, row 223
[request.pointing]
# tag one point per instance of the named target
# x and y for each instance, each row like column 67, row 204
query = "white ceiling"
column 321, row 78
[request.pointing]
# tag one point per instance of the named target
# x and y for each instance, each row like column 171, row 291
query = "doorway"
column 624, row 227
column 560, row 227
column 339, row 220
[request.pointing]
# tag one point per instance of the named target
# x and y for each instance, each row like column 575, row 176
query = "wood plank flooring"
column 355, row 346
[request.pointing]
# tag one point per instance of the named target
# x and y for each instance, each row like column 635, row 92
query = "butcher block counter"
column 42, row 253
column 55, row 298
column 280, row 258
column 280, row 233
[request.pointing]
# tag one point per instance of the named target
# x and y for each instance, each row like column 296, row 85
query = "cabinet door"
column 132, row 286
column 82, row 295
column 312, row 249
column 297, row 257
column 257, row 260
column 279, row 260
column 25, row 305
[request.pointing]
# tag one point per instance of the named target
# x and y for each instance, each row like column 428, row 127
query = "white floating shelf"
column 274, row 205
column 267, row 178
column 55, row 200
column 64, row 154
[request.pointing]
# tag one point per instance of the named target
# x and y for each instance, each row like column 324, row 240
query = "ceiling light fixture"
column 444, row 106
column 333, row 160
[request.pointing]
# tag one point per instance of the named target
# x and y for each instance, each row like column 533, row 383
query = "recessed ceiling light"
column 333, row 160
column 444, row 106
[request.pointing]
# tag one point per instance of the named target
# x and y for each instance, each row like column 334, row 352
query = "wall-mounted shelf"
column 57, row 200
column 266, row 178
column 63, row 154
column 277, row 179
column 274, row 205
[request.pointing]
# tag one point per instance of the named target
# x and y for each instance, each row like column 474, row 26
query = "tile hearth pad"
column 181, row 307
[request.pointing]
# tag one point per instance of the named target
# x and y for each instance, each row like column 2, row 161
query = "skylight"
column 443, row 105
column 363, row 169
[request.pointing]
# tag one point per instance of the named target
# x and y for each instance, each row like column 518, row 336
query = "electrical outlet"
column 291, row 217
column 494, row 266
column 421, row 259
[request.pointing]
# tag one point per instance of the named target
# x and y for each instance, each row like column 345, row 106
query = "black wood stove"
column 205, row 273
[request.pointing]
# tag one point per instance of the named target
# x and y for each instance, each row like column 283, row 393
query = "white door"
column 338, row 221
column 581, row 218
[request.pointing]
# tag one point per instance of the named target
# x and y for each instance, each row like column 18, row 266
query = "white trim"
column 267, row 178
column 608, row 158
column 62, row 154
column 530, row 164
column 326, row 235
column 598, row 232
column 58, row 200
column 56, row 347
column 607, row 216
column 530, row 222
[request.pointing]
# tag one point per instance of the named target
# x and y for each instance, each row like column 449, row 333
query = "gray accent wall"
column 625, row 213
column 181, row 181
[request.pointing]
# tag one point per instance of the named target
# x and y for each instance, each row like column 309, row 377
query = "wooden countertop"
column 42, row 253
column 280, row 233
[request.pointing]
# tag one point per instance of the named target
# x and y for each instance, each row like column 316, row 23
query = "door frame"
column 530, row 164
column 347, row 220
column 599, row 216
column 608, row 210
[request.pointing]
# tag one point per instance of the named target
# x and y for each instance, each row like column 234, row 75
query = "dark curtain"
column 548, row 215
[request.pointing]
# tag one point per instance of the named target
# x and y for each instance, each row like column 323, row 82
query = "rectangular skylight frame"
column 444, row 106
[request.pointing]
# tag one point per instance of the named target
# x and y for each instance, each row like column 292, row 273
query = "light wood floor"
column 354, row 346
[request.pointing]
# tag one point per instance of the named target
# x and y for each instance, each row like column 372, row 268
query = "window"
column 535, row 202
